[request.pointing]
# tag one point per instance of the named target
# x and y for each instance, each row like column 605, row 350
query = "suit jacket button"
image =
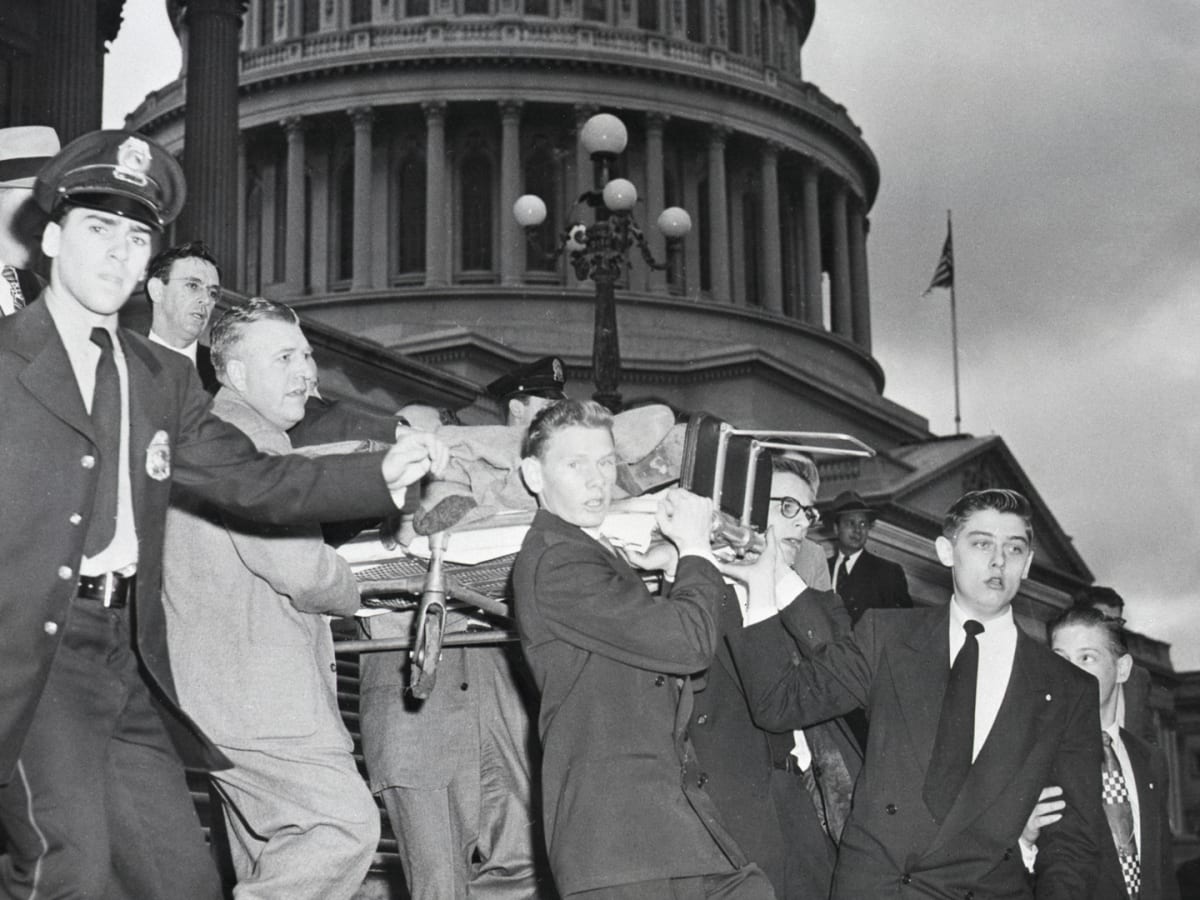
column 333, row 667
column 88, row 461
column 702, row 780
column 702, row 719
column 65, row 573
column 463, row 686
column 660, row 680
column 75, row 518
column 51, row 628
column 891, row 811
column 1007, row 853
column 905, row 878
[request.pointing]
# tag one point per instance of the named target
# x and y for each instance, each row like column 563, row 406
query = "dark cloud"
column 1064, row 137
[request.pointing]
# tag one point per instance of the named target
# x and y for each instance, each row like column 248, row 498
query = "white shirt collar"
column 189, row 351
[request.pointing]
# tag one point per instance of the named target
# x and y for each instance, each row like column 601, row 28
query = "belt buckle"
column 109, row 588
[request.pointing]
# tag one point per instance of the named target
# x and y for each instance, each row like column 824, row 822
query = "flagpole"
column 954, row 333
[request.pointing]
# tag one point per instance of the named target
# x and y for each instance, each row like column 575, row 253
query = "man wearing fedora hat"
column 99, row 425
column 23, row 150
column 862, row 579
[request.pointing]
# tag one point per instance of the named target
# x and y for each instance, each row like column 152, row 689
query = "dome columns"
column 362, row 118
column 297, row 164
column 437, row 230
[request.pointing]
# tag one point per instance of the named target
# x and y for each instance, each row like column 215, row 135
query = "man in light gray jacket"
column 252, row 654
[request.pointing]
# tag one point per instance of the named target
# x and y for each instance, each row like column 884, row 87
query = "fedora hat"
column 24, row 149
column 848, row 502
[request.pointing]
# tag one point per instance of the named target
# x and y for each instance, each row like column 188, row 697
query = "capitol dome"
column 383, row 143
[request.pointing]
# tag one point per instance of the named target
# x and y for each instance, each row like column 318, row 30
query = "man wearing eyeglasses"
column 184, row 285
column 784, row 793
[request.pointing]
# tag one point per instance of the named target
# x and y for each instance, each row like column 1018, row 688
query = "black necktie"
column 106, row 422
column 843, row 573
column 955, row 744
column 1119, row 812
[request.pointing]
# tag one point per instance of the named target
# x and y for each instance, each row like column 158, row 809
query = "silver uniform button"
column 65, row 573
column 75, row 519
column 88, row 461
column 51, row 628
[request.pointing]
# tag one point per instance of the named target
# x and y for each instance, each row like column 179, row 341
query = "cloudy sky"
column 1064, row 136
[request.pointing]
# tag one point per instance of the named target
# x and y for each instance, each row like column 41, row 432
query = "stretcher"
column 469, row 569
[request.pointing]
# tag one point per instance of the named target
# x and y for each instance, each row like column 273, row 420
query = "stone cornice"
column 333, row 55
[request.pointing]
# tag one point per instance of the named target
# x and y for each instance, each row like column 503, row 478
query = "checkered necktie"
column 13, row 286
column 1120, row 817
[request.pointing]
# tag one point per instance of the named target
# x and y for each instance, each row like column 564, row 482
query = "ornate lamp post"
column 600, row 251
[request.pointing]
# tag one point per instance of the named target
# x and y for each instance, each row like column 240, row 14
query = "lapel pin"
column 1048, row 698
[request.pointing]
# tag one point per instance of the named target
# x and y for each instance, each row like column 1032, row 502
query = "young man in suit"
column 1137, row 862
column 783, row 793
column 626, row 815
column 1134, row 713
column 99, row 423
column 23, row 150
column 970, row 718
column 862, row 579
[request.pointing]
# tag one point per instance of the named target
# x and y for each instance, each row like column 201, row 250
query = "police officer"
column 98, row 425
column 525, row 390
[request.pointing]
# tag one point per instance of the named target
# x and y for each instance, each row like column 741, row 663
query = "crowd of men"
column 782, row 725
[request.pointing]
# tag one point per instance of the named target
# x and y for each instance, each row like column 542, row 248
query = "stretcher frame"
column 709, row 467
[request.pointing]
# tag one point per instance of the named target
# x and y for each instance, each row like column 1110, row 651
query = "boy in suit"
column 957, row 754
column 626, row 815
column 1137, row 863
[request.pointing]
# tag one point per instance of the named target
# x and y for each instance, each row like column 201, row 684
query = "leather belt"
column 111, row 590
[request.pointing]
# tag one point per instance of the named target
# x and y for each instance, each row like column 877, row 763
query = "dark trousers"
column 747, row 883
column 98, row 807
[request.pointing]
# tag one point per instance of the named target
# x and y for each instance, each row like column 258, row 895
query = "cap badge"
column 133, row 161
column 558, row 370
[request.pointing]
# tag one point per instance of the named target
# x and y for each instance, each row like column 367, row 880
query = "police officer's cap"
column 114, row 171
column 541, row 378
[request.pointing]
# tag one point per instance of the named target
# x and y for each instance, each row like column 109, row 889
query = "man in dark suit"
column 862, row 579
column 1137, row 863
column 99, row 423
column 957, row 754
column 626, row 815
column 183, row 285
column 784, row 794
column 1134, row 712
column 23, row 150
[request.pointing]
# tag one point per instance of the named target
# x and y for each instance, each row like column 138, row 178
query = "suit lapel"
column 49, row 376
column 1010, row 741
column 920, row 667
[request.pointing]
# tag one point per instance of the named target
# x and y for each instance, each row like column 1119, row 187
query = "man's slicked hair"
column 560, row 415
column 227, row 330
column 160, row 265
column 800, row 465
column 1113, row 628
column 999, row 499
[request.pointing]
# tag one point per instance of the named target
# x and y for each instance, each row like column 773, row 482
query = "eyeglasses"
column 198, row 288
column 790, row 507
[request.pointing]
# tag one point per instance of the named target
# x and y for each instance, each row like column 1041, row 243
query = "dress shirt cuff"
column 1028, row 853
column 788, row 588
